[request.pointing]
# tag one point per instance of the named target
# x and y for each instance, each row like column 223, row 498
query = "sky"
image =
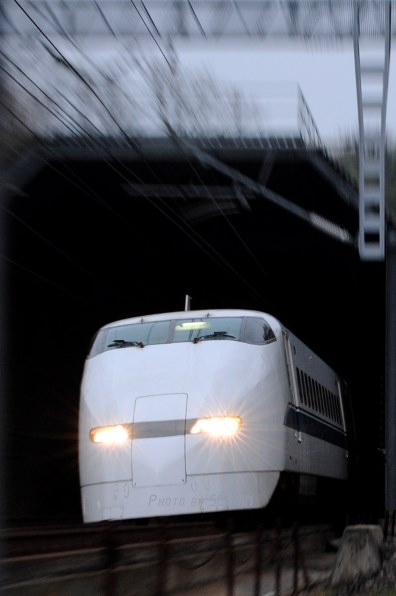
column 326, row 75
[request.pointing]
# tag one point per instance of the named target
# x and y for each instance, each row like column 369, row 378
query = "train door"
column 293, row 416
column 290, row 352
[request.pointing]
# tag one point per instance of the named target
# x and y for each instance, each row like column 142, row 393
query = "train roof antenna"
column 187, row 302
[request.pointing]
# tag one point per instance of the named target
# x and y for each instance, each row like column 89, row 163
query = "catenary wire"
column 184, row 223
column 12, row 264
column 35, row 98
column 86, row 190
column 231, row 225
column 152, row 36
column 83, row 53
column 76, row 72
column 159, row 198
column 86, row 57
column 192, row 235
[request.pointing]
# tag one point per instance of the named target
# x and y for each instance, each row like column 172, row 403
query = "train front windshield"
column 253, row 330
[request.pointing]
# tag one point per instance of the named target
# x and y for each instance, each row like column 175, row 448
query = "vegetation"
column 14, row 136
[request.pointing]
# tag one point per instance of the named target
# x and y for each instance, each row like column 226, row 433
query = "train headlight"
column 110, row 435
column 221, row 426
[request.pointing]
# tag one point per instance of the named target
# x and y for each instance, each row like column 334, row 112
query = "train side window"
column 328, row 403
column 338, row 409
column 317, row 396
column 333, row 399
column 300, row 387
column 316, row 405
column 335, row 407
column 328, row 408
column 331, row 404
column 306, row 390
column 324, row 400
column 321, row 404
column 311, row 392
column 301, row 377
column 257, row 331
column 309, row 389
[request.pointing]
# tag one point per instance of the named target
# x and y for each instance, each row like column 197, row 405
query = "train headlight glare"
column 222, row 426
column 110, row 435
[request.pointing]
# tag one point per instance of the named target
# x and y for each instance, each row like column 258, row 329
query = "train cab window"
column 124, row 336
column 208, row 329
column 158, row 333
column 257, row 331
column 245, row 329
column 189, row 329
column 146, row 333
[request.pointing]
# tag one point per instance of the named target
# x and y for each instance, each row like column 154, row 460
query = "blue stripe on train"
column 308, row 423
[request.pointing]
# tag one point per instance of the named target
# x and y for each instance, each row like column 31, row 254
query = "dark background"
column 82, row 251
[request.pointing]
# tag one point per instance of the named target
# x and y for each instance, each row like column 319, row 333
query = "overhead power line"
column 184, row 226
column 73, row 69
column 59, row 56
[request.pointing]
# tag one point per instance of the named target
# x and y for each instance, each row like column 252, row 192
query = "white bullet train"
column 204, row 411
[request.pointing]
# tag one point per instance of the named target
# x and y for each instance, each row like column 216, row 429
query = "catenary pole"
column 390, row 377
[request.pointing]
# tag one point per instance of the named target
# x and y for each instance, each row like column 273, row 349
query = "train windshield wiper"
column 214, row 335
column 122, row 343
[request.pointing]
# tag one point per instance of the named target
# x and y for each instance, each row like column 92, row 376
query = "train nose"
column 158, row 446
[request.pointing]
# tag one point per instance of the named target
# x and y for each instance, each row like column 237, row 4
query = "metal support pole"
column 163, row 561
column 3, row 380
column 279, row 559
column 258, row 561
column 4, row 338
column 111, row 557
column 296, row 548
column 390, row 375
column 230, row 558
column 372, row 76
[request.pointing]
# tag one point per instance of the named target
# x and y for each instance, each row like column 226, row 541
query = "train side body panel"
column 316, row 437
